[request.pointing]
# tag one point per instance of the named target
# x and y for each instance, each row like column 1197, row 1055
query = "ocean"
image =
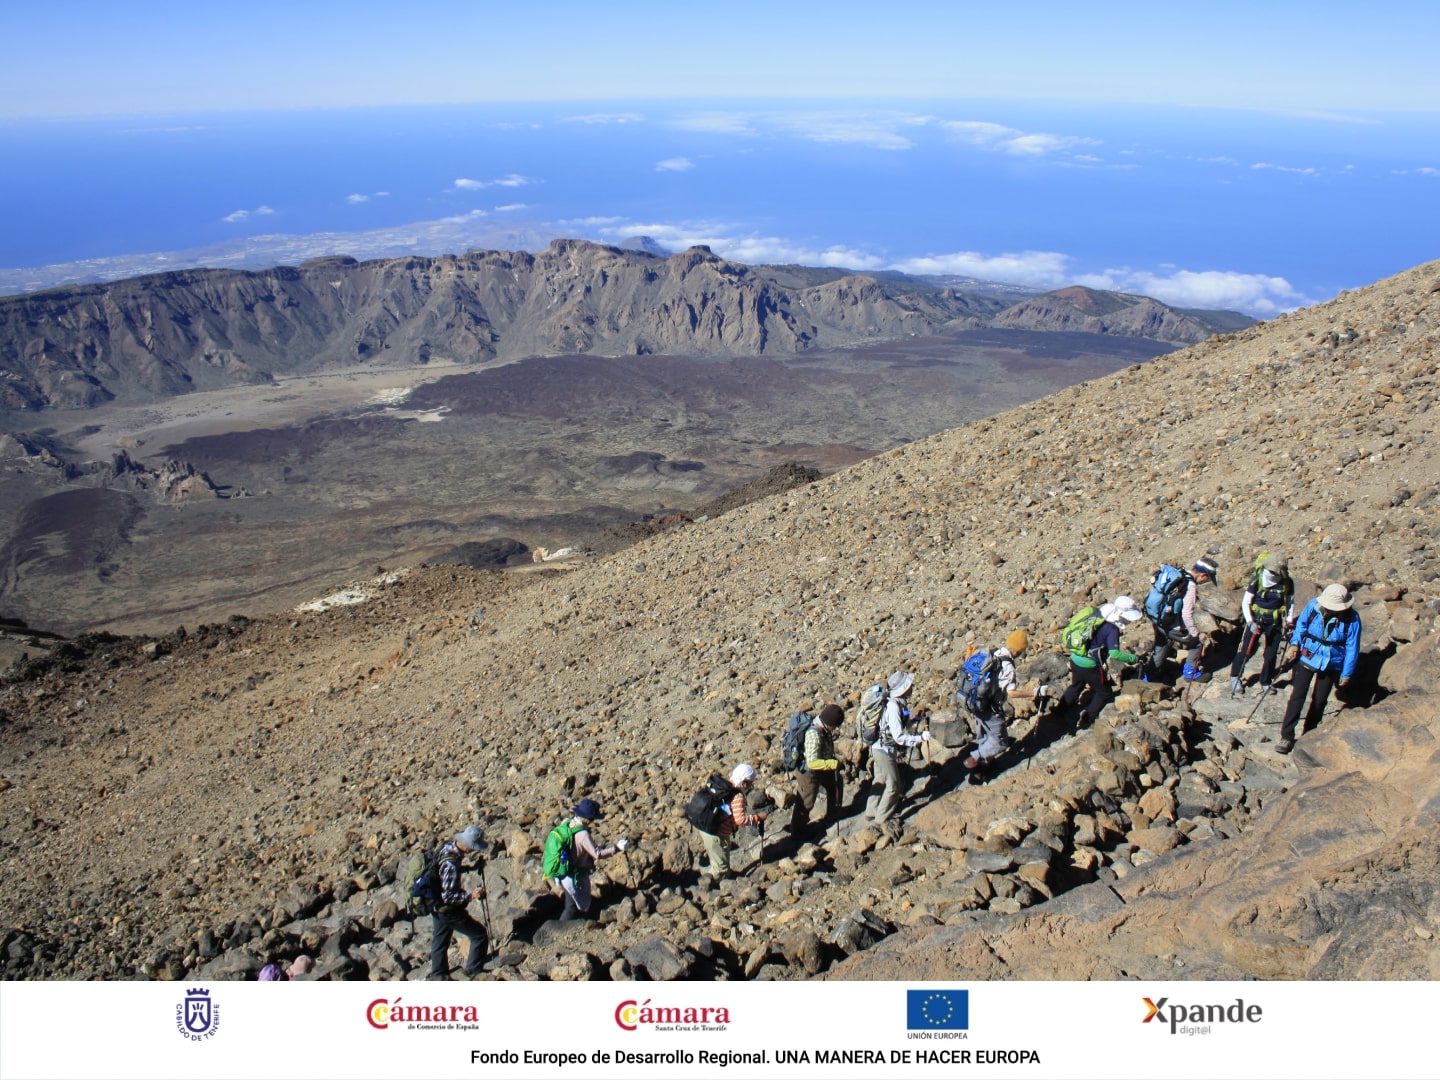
column 1201, row 207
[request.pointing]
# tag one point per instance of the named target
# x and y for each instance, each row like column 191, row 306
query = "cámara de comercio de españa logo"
column 631, row 1015
column 197, row 1018
column 382, row 1013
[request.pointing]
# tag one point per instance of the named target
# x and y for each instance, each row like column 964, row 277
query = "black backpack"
column 792, row 746
column 707, row 804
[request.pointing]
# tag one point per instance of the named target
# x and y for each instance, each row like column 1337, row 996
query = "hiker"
column 1269, row 610
column 302, row 965
column 821, row 771
column 731, row 813
column 449, row 916
column 1171, row 608
column 884, row 753
column 994, row 712
column 575, row 855
column 1088, row 671
column 1324, row 647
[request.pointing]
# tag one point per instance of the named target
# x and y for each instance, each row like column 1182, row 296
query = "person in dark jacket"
column 1269, row 610
column 1088, row 671
column 450, row 917
column 1324, row 647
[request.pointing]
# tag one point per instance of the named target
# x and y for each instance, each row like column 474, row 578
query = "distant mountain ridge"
column 152, row 337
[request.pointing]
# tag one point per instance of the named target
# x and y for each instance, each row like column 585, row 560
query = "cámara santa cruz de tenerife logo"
column 197, row 1018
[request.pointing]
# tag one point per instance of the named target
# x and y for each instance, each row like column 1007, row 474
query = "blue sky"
column 1256, row 156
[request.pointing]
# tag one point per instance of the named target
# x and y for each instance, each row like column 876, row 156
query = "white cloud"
column 464, row 217
column 357, row 198
column 509, row 207
column 606, row 118
column 590, row 222
column 674, row 164
column 1428, row 171
column 240, row 215
column 989, row 136
column 715, row 123
column 512, row 180
column 1283, row 168
column 1042, row 269
column 1258, row 294
column 747, row 249
column 879, row 130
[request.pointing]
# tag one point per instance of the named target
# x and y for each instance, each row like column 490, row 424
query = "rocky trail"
column 195, row 805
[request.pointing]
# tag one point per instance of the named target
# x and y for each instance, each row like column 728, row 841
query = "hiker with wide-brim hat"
column 1324, row 647
column 1089, row 672
column 891, row 773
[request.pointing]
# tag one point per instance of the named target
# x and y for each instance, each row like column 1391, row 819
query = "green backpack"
column 559, row 851
column 1078, row 632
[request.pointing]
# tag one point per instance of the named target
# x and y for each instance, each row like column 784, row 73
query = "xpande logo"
column 382, row 1013
column 1184, row 1019
column 632, row 1015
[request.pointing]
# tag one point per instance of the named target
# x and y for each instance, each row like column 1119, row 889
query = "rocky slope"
column 152, row 337
column 199, row 803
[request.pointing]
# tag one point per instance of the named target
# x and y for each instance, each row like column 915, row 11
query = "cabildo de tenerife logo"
column 632, row 1015
column 383, row 1014
column 197, row 1018
column 1183, row 1019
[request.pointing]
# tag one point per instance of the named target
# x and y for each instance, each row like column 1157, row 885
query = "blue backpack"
column 977, row 686
column 1167, row 595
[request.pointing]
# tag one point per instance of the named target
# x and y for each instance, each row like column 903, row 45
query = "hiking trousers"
column 1273, row 635
column 810, row 786
column 446, row 924
column 1300, row 686
column 1093, row 678
column 717, row 850
column 1165, row 644
column 889, row 774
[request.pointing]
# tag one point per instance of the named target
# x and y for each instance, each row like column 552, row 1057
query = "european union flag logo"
column 937, row 1010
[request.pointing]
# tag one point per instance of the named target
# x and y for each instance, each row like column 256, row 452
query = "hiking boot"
column 1237, row 688
column 1269, row 688
column 1284, row 746
column 972, row 763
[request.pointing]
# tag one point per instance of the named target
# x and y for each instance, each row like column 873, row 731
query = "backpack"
column 707, row 804
column 792, row 746
column 559, row 854
column 1167, row 595
column 867, row 717
column 273, row 973
column 1268, row 605
column 1080, row 630
column 977, row 686
column 420, row 882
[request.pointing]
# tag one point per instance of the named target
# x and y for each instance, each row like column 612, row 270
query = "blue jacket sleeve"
column 1352, row 647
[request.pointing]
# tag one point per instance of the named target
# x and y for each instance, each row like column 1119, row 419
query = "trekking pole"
column 629, row 874
column 492, row 948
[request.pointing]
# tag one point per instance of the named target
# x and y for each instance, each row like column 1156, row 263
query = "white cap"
column 741, row 774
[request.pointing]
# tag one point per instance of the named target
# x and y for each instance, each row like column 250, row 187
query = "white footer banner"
column 819, row 1029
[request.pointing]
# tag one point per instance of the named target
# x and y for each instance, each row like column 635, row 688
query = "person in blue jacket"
column 1324, row 647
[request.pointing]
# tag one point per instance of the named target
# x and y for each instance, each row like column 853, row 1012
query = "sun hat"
column 900, row 682
column 470, row 837
column 1335, row 597
column 1123, row 609
column 1017, row 642
column 832, row 716
column 741, row 774
column 588, row 809
column 1205, row 566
